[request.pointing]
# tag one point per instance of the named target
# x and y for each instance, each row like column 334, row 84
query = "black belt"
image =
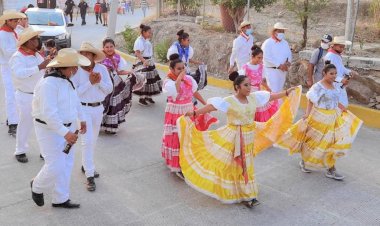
column 273, row 67
column 43, row 122
column 91, row 104
column 147, row 58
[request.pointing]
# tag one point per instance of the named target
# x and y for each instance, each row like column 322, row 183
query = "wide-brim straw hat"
column 340, row 40
column 69, row 57
column 26, row 35
column 88, row 47
column 11, row 14
column 279, row 26
column 244, row 23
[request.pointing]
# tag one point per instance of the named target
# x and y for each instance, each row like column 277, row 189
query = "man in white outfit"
column 334, row 56
column 8, row 41
column 93, row 84
column 277, row 58
column 22, row 25
column 28, row 67
column 241, row 47
column 56, row 111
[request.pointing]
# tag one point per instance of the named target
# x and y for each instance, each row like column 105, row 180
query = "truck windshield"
column 45, row 18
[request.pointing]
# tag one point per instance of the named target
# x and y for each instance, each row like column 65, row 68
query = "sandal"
column 252, row 203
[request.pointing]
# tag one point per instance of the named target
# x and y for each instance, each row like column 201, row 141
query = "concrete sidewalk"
column 136, row 188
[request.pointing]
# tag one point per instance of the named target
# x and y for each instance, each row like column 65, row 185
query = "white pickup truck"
column 53, row 23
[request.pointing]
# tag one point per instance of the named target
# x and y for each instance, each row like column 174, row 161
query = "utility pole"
column 351, row 17
column 112, row 19
column 1, row 7
column 179, row 9
column 248, row 4
column 158, row 8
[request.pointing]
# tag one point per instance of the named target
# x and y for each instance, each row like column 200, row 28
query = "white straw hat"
column 69, row 57
column 340, row 40
column 279, row 26
column 26, row 35
column 88, row 47
column 11, row 14
column 244, row 23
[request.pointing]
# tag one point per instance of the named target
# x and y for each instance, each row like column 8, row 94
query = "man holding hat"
column 334, row 56
column 316, row 63
column 56, row 110
column 277, row 58
column 93, row 84
column 241, row 47
column 8, row 41
column 27, row 67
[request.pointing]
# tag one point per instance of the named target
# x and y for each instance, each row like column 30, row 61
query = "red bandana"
column 174, row 78
column 8, row 29
column 244, row 36
column 333, row 51
column 276, row 39
column 27, row 52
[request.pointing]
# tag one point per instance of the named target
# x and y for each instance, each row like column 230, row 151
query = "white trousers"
column 93, row 116
column 25, row 124
column 56, row 172
column 275, row 79
column 10, row 101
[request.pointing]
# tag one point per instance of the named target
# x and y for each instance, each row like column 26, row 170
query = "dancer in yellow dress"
column 219, row 163
column 327, row 129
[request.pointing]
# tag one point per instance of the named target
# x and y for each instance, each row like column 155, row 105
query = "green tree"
column 130, row 35
column 190, row 7
column 236, row 8
column 304, row 10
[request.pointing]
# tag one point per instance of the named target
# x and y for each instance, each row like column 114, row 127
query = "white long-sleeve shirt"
column 173, row 49
column 25, row 72
column 144, row 46
column 19, row 29
column 89, row 93
column 241, row 51
column 337, row 60
column 276, row 53
column 56, row 102
column 8, row 46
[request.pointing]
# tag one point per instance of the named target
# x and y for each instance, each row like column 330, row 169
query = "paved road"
column 135, row 187
column 95, row 33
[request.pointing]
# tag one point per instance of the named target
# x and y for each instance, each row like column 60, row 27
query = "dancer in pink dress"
column 180, row 89
column 254, row 71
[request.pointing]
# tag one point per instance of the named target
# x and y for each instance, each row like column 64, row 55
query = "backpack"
column 320, row 54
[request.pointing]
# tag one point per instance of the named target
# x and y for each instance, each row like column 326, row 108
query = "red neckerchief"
column 333, row 51
column 8, row 29
column 276, row 39
column 174, row 78
column 244, row 36
column 27, row 52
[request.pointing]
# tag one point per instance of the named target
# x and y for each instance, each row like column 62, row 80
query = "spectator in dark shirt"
column 83, row 10
column 69, row 9
column 104, row 9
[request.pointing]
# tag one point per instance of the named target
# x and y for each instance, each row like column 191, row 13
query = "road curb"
column 370, row 117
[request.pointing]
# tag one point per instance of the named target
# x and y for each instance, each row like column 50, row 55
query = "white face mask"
column 324, row 45
column 280, row 36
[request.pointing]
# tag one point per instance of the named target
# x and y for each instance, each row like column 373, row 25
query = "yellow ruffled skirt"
column 207, row 157
column 323, row 137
